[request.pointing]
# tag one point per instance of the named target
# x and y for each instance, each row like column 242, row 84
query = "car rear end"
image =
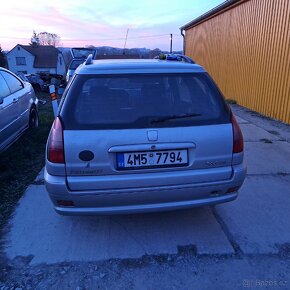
column 74, row 64
column 140, row 140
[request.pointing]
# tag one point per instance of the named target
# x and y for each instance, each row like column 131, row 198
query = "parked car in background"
column 79, row 55
column 18, row 108
column 74, row 64
column 35, row 80
column 22, row 76
column 175, row 57
column 142, row 135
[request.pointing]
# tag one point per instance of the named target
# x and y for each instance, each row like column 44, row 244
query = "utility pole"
column 170, row 42
column 125, row 41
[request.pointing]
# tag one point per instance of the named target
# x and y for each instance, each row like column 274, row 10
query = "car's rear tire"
column 33, row 118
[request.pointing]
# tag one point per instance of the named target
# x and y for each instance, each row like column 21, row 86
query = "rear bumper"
column 156, row 207
column 145, row 199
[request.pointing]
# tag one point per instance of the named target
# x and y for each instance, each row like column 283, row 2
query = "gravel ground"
column 273, row 126
column 183, row 271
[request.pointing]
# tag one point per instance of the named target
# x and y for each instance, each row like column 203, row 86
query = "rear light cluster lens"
column 55, row 148
column 238, row 140
column 233, row 189
column 65, row 203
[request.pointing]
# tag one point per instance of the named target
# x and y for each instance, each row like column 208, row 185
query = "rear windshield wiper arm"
column 173, row 117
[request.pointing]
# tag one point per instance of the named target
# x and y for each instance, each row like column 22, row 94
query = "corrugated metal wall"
column 246, row 50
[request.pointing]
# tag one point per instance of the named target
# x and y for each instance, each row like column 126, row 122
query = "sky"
column 100, row 23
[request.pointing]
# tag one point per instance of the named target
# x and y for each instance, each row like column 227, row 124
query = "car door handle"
column 15, row 100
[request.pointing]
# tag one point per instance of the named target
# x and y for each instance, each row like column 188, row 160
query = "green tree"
column 34, row 40
column 3, row 61
column 45, row 38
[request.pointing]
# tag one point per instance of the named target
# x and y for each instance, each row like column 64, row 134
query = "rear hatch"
column 136, row 131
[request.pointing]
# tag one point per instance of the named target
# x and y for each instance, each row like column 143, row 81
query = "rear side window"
column 142, row 101
column 13, row 83
column 75, row 64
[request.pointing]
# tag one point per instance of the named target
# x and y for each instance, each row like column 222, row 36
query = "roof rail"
column 89, row 59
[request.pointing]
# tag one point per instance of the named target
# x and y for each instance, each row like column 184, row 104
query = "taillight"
column 65, row 203
column 238, row 141
column 55, row 149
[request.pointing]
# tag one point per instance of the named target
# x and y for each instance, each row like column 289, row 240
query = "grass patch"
column 231, row 101
column 20, row 164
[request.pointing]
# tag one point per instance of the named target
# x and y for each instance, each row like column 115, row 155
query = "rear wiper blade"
column 173, row 117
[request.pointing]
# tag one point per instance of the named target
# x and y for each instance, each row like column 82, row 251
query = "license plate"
column 152, row 159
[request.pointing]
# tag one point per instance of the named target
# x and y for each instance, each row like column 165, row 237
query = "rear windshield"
column 142, row 101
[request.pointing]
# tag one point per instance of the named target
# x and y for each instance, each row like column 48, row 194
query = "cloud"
column 91, row 22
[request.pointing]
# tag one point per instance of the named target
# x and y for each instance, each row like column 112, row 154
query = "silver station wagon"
column 142, row 136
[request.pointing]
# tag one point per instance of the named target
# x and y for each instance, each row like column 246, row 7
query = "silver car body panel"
column 143, row 199
column 213, row 173
column 14, row 113
column 8, row 120
column 102, row 171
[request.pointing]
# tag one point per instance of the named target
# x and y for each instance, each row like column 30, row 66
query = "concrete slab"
column 37, row 230
column 267, row 158
column 259, row 219
column 271, row 125
column 254, row 133
column 241, row 120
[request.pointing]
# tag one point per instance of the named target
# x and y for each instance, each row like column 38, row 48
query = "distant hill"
column 109, row 50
